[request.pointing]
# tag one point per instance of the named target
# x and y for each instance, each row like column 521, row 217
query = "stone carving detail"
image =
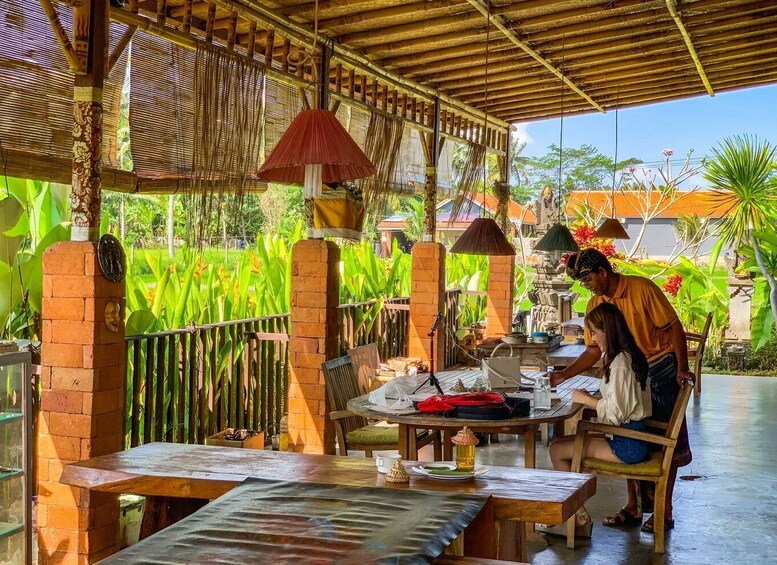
column 551, row 296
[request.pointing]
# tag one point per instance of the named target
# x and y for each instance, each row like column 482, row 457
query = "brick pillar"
column 82, row 403
column 427, row 298
column 499, row 300
column 315, row 296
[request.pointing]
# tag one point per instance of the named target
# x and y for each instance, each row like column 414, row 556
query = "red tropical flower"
column 672, row 285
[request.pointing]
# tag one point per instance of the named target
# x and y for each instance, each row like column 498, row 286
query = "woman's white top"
column 622, row 398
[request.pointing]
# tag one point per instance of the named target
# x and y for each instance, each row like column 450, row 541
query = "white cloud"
column 522, row 133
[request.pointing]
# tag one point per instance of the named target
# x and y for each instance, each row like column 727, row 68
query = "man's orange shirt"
column 647, row 311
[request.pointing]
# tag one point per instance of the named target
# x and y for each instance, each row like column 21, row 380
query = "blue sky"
column 695, row 123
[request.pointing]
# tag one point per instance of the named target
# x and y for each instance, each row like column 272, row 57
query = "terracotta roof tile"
column 702, row 203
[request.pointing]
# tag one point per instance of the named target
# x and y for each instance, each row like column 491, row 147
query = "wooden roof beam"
column 266, row 16
column 497, row 21
column 671, row 5
column 364, row 20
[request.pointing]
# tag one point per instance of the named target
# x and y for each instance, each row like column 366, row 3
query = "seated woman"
column 625, row 399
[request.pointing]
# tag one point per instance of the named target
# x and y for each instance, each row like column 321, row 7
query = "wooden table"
column 179, row 473
column 561, row 409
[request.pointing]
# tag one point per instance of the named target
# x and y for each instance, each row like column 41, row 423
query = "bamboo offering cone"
column 397, row 474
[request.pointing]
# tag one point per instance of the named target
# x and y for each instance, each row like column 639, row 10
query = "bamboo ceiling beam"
column 409, row 31
column 118, row 50
column 335, row 7
column 497, row 21
column 266, row 16
column 363, row 20
column 62, row 37
column 671, row 5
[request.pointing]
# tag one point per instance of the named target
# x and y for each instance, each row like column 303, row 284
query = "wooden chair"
column 354, row 432
column 697, row 354
column 655, row 468
column 366, row 360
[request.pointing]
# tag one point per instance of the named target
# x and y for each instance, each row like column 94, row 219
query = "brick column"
column 82, row 403
column 427, row 298
column 315, row 296
column 499, row 301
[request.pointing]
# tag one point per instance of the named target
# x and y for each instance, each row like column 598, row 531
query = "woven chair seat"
column 378, row 435
column 650, row 467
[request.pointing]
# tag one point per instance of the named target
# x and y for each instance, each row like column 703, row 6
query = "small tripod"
column 432, row 379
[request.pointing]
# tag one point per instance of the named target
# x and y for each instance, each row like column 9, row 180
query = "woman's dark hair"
column 608, row 319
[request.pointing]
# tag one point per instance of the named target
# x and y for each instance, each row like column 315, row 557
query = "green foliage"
column 468, row 273
column 584, row 167
column 743, row 174
column 365, row 276
column 414, row 207
column 33, row 215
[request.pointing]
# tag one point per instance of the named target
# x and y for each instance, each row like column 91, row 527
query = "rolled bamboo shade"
column 36, row 101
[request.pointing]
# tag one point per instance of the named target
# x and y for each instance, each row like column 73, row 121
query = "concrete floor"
column 725, row 500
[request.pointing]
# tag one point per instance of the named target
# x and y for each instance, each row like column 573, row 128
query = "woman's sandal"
column 623, row 519
column 648, row 525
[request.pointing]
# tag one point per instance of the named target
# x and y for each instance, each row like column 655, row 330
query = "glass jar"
column 465, row 442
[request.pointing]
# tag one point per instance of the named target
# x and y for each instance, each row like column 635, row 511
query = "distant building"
column 522, row 220
column 660, row 238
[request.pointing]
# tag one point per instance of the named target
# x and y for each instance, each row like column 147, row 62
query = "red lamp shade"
column 316, row 137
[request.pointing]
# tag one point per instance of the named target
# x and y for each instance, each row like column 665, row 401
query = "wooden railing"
column 184, row 385
column 365, row 322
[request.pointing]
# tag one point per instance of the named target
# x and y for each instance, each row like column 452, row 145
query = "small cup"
column 386, row 462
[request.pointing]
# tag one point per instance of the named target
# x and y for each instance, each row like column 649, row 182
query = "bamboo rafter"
column 62, row 37
column 499, row 24
column 671, row 5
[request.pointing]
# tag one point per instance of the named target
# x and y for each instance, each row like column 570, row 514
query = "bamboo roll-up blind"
column 161, row 112
column 282, row 104
column 36, row 97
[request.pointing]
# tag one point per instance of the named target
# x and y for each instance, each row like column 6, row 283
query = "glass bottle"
column 542, row 398
column 465, row 442
column 283, row 440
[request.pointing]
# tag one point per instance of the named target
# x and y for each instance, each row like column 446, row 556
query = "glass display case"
column 15, row 458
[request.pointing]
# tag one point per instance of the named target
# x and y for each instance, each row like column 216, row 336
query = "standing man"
column 660, row 335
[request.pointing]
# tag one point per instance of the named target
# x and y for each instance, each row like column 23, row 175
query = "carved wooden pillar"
column 90, row 40
column 431, row 148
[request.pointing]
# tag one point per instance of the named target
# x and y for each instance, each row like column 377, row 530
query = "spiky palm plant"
column 743, row 174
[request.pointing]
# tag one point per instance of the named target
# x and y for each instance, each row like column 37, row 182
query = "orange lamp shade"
column 611, row 229
column 316, row 137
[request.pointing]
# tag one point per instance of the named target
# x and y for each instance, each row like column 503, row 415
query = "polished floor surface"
column 725, row 500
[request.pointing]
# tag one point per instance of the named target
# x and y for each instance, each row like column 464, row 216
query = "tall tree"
column 742, row 172
column 583, row 167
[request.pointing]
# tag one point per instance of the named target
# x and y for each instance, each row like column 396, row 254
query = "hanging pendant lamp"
column 484, row 236
column 612, row 228
column 316, row 148
column 558, row 237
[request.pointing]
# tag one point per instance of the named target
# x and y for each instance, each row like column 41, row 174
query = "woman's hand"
column 580, row 396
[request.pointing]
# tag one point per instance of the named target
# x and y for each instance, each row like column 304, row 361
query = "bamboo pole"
column 118, row 50
column 62, row 37
column 671, row 5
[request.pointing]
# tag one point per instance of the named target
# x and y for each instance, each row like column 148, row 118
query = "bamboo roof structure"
column 420, row 60
column 609, row 52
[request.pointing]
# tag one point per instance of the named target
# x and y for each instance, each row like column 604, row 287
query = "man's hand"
column 556, row 377
column 683, row 374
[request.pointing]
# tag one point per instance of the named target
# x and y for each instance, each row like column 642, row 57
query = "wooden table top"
column 264, row 521
column 561, row 409
column 199, row 471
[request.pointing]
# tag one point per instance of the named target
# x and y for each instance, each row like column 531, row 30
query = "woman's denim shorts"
column 627, row 449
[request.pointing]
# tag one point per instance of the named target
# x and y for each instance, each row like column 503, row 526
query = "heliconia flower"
column 667, row 152
column 673, row 284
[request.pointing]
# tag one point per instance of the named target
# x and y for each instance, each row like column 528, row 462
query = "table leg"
column 162, row 511
column 530, row 446
column 480, row 537
column 404, row 441
column 512, row 541
column 447, row 445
